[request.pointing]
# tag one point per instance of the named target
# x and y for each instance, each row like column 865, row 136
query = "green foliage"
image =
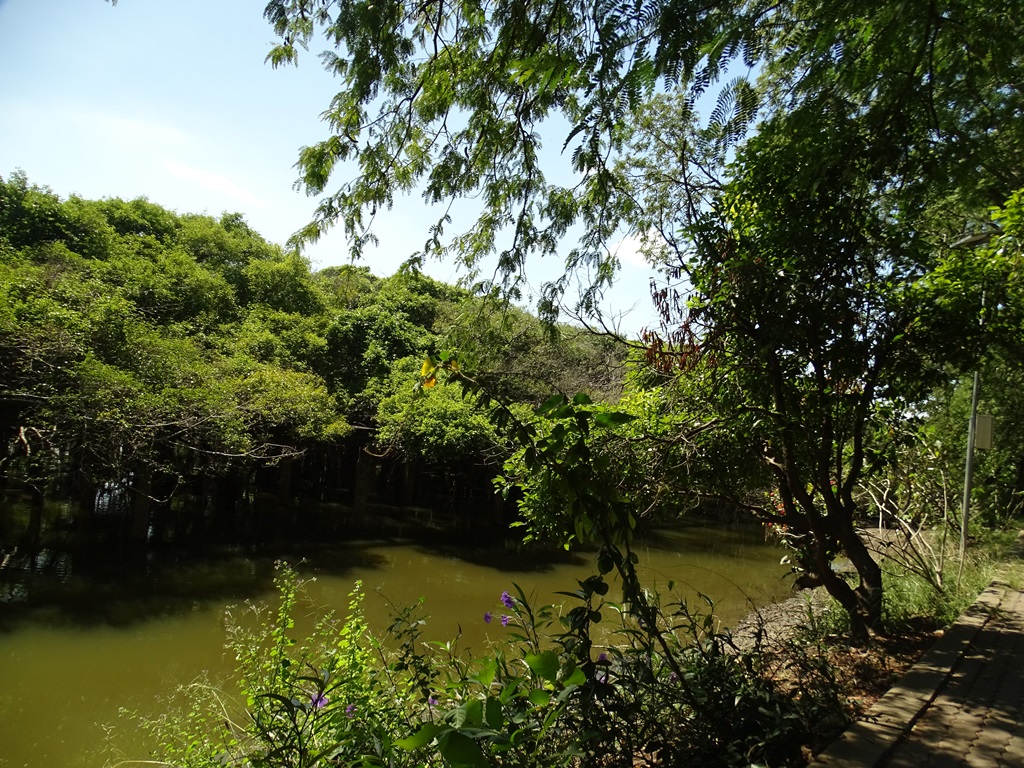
column 283, row 284
column 540, row 696
column 290, row 340
column 346, row 286
column 453, row 101
column 185, row 346
column 128, row 343
column 998, row 492
column 800, row 219
column 441, row 426
column 793, row 337
column 521, row 358
column 571, row 490
column 169, row 286
column 587, row 456
column 301, row 701
column 909, row 598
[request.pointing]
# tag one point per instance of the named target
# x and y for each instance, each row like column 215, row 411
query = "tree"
column 120, row 360
column 979, row 298
column 801, row 318
column 450, row 98
column 885, row 130
column 442, row 427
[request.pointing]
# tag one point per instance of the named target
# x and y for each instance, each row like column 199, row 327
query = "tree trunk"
column 284, row 480
column 844, row 594
column 141, row 504
column 863, row 604
column 869, row 591
column 363, row 479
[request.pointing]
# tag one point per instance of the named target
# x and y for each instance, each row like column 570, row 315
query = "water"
column 77, row 646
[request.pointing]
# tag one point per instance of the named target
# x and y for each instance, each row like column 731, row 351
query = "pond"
column 78, row 644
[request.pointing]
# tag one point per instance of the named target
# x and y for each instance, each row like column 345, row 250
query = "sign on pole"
column 983, row 432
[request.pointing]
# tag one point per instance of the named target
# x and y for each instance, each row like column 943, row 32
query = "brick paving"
column 974, row 719
column 962, row 704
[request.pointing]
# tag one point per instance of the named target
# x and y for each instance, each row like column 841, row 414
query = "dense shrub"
column 547, row 695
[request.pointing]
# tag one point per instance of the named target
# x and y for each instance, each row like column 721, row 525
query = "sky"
column 171, row 100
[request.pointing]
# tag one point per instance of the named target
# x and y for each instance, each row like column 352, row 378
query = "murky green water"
column 69, row 663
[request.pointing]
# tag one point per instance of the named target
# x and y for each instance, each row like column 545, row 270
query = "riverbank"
column 906, row 669
column 961, row 702
column 792, row 632
column 774, row 624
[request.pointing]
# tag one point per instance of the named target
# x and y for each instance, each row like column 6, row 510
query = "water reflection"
column 94, row 624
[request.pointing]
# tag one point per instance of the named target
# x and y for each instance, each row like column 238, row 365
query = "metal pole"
column 965, row 507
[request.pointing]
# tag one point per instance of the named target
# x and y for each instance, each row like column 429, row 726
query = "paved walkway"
column 962, row 704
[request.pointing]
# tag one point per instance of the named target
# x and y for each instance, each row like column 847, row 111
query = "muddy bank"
column 775, row 623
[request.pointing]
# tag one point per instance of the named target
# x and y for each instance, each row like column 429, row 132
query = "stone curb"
column 868, row 741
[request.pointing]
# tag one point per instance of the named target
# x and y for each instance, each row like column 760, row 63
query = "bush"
column 672, row 690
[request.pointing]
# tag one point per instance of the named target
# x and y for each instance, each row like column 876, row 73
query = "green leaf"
column 459, row 750
column 607, row 559
column 540, row 697
column 563, row 412
column 474, row 712
column 486, row 674
column 421, row 738
column 550, row 404
column 612, row 418
column 492, row 711
column 576, row 678
column 544, row 665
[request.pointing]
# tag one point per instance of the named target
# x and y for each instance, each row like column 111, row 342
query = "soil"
column 864, row 674
column 869, row 672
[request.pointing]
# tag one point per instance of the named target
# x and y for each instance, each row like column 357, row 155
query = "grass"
column 911, row 604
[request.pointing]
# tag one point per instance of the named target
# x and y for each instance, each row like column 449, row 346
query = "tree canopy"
column 807, row 216
column 456, row 99
column 138, row 343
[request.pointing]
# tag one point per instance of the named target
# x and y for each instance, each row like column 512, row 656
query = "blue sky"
column 171, row 100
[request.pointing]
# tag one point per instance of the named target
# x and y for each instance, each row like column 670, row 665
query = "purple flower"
column 350, row 710
column 602, row 656
column 318, row 700
column 504, row 620
column 487, row 617
column 431, row 701
column 507, row 600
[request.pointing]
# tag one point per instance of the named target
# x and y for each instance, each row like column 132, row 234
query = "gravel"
column 778, row 622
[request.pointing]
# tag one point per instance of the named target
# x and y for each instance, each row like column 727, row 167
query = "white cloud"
column 628, row 250
column 213, row 182
column 129, row 131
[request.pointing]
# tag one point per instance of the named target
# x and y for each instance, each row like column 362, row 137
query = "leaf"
column 576, row 678
column 544, row 665
column 612, row 418
column 474, row 712
column 460, row 750
column 563, row 412
column 552, row 402
column 607, row 559
column 539, row 697
column 486, row 674
column 421, row 738
column 492, row 710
